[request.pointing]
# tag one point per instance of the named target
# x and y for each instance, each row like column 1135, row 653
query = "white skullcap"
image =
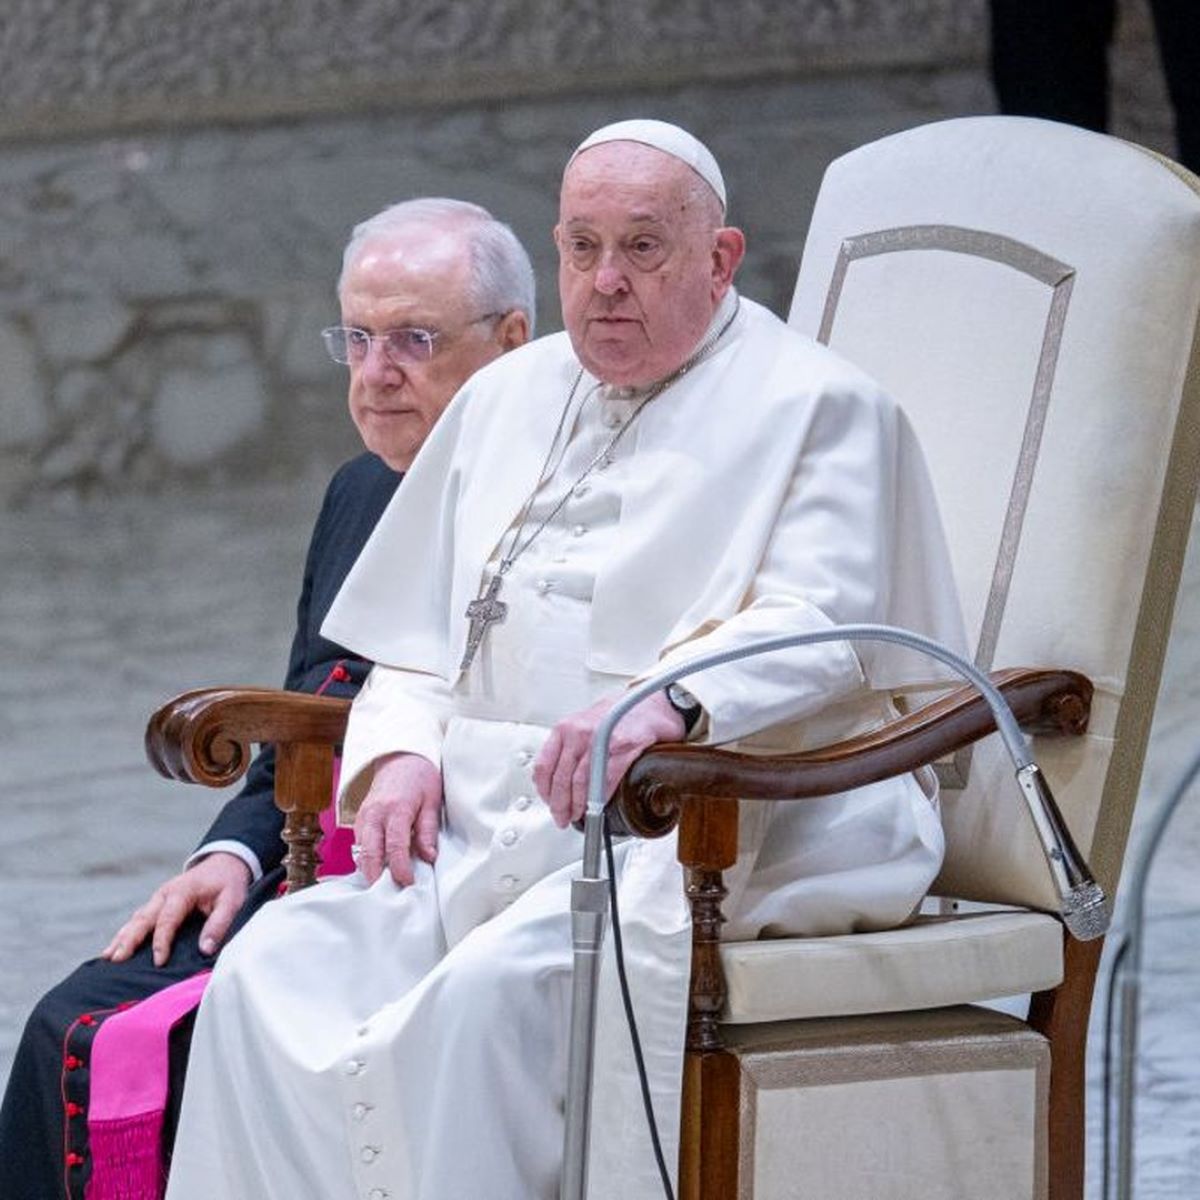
column 670, row 139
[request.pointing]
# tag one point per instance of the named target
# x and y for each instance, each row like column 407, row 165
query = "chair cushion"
column 935, row 961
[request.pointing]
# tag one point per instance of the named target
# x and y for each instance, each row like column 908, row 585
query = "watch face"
column 681, row 698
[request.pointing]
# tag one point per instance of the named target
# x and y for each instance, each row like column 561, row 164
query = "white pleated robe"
column 410, row 1043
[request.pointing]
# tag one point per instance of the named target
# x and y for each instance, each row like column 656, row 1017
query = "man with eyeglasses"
column 430, row 291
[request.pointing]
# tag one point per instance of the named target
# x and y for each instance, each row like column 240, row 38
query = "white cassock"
column 410, row 1044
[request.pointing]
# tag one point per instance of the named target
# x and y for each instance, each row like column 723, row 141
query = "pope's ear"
column 729, row 248
column 512, row 330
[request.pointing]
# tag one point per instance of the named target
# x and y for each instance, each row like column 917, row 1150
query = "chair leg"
column 1061, row 1016
column 708, row 1136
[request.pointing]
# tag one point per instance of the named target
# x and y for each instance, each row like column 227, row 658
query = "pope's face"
column 643, row 261
column 415, row 277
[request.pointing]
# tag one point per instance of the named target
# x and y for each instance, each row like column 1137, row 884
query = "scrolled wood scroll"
column 207, row 736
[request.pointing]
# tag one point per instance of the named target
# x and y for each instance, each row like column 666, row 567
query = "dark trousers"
column 1050, row 59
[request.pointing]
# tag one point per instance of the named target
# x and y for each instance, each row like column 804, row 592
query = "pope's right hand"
column 216, row 886
column 399, row 817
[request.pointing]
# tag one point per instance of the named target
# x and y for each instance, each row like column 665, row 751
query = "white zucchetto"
column 670, row 139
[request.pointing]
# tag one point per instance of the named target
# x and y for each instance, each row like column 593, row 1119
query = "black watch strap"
column 685, row 704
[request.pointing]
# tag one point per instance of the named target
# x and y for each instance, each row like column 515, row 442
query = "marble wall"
column 177, row 181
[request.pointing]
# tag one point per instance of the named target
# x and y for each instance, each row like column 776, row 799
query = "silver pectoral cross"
column 483, row 612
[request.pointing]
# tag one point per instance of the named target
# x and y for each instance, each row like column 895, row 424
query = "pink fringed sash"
column 129, row 1078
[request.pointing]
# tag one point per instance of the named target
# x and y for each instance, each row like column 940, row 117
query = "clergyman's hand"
column 216, row 886
column 561, row 770
column 399, row 817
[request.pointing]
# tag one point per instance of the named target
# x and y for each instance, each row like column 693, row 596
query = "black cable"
column 1114, row 973
column 619, row 952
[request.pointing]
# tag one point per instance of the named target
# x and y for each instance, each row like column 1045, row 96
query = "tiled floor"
column 107, row 611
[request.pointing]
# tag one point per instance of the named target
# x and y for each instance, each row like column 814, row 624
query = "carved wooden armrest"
column 206, row 737
column 1044, row 702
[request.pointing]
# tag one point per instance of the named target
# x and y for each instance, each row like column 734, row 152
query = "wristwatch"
column 685, row 704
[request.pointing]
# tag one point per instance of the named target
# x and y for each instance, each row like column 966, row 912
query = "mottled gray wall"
column 177, row 180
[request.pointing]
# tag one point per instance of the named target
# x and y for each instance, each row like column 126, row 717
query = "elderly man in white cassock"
column 676, row 472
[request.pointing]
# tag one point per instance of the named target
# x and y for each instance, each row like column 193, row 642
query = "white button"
column 581, row 489
column 379, row 1194
column 508, row 882
column 524, row 757
column 521, row 803
column 359, row 1111
column 363, row 1030
column 509, row 836
column 369, row 1153
column 545, row 585
column 579, row 531
column 612, row 419
column 354, row 1066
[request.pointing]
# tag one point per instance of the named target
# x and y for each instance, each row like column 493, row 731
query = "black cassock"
column 43, row 1121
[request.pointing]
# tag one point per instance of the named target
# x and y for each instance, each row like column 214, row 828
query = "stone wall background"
column 177, row 182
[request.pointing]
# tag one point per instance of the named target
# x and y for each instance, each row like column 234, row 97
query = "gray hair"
column 501, row 273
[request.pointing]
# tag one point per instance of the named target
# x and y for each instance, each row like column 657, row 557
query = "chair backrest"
column 1029, row 293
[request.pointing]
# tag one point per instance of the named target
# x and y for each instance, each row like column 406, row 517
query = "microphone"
column 1082, row 904
column 1084, row 909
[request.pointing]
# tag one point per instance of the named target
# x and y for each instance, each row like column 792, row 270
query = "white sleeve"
column 228, row 846
column 827, row 562
column 394, row 712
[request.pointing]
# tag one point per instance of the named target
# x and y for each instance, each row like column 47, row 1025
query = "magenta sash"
column 129, row 1078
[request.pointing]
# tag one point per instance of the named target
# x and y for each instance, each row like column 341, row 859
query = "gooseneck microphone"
column 1083, row 907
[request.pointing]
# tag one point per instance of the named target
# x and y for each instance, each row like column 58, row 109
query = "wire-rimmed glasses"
column 405, row 346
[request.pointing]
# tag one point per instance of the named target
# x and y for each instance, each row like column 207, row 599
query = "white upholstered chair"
column 1030, row 293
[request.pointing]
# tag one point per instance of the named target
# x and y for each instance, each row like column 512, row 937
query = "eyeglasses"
column 407, row 346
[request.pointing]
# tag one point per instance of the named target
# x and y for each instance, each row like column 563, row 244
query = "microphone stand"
column 1129, row 975
column 1083, row 907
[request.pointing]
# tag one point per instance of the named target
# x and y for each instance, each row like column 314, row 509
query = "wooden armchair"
column 1030, row 293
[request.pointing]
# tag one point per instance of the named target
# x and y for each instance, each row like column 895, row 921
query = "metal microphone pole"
column 1130, row 978
column 1084, row 911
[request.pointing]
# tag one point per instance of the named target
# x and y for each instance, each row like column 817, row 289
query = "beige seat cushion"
column 929, row 964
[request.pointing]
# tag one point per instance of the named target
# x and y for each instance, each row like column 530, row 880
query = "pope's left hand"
column 561, row 770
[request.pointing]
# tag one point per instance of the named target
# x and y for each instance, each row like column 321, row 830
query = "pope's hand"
column 216, row 885
column 399, row 817
column 563, row 765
